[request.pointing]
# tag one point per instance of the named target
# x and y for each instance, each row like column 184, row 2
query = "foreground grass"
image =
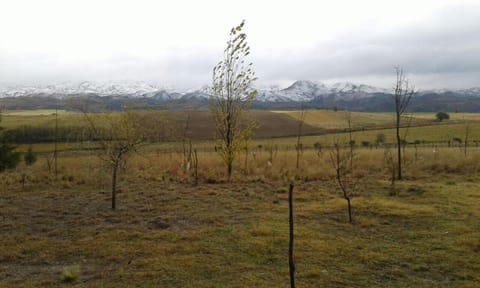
column 168, row 233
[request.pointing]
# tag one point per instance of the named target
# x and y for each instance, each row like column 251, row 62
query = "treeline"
column 36, row 134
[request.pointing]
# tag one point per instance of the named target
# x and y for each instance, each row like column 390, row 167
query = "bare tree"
column 402, row 96
column 340, row 158
column 195, row 166
column 272, row 151
column 351, row 141
column 391, row 167
column 55, row 148
column 467, row 133
column 190, row 155
column 49, row 161
column 404, row 139
column 187, row 151
column 245, row 163
column 299, row 145
column 231, row 95
column 118, row 134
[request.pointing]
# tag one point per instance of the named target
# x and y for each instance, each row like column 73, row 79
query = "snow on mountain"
column 474, row 91
column 299, row 91
column 349, row 87
column 304, row 91
column 130, row 88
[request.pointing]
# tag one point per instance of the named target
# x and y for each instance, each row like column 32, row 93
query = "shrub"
column 30, row 157
column 380, row 139
column 9, row 158
column 317, row 146
column 70, row 273
column 442, row 116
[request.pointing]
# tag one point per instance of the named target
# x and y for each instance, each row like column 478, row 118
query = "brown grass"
column 169, row 233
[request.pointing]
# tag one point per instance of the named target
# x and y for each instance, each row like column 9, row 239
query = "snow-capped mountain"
column 304, row 91
column 345, row 94
column 131, row 88
column 299, row 91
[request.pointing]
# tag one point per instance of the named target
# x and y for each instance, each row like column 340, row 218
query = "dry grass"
column 169, row 233
column 329, row 119
column 14, row 119
column 316, row 122
column 337, row 120
column 200, row 122
column 453, row 116
column 38, row 112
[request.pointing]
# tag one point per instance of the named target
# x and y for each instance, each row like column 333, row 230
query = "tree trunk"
column 467, row 131
column 349, row 210
column 55, row 152
column 229, row 169
column 399, row 149
column 196, row 166
column 114, row 184
column 246, row 160
column 298, row 156
column 290, row 246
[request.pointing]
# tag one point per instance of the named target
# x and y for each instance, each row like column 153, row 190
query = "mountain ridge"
column 301, row 93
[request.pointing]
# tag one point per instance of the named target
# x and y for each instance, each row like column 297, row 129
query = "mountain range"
column 306, row 94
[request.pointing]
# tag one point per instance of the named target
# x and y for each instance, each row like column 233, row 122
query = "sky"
column 177, row 43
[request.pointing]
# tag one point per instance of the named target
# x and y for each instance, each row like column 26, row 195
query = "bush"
column 30, row 157
column 365, row 143
column 317, row 146
column 380, row 139
column 442, row 116
column 70, row 273
column 9, row 158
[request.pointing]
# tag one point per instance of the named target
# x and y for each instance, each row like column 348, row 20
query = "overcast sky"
column 177, row 43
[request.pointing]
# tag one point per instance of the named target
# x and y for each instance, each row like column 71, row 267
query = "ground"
column 168, row 234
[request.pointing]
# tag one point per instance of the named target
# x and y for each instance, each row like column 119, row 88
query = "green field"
column 423, row 231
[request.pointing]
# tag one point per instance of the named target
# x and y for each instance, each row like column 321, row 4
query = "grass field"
column 15, row 119
column 166, row 232
column 330, row 119
column 201, row 125
column 39, row 112
column 428, row 134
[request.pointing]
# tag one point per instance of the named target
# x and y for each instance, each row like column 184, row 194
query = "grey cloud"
column 441, row 51
column 447, row 47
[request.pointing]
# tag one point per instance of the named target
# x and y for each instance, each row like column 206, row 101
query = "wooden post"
column 290, row 245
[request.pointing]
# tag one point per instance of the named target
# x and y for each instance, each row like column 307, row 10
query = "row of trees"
column 9, row 158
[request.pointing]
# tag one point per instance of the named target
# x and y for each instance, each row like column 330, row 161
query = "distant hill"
column 306, row 94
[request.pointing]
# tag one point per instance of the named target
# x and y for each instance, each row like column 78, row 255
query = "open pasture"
column 167, row 232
